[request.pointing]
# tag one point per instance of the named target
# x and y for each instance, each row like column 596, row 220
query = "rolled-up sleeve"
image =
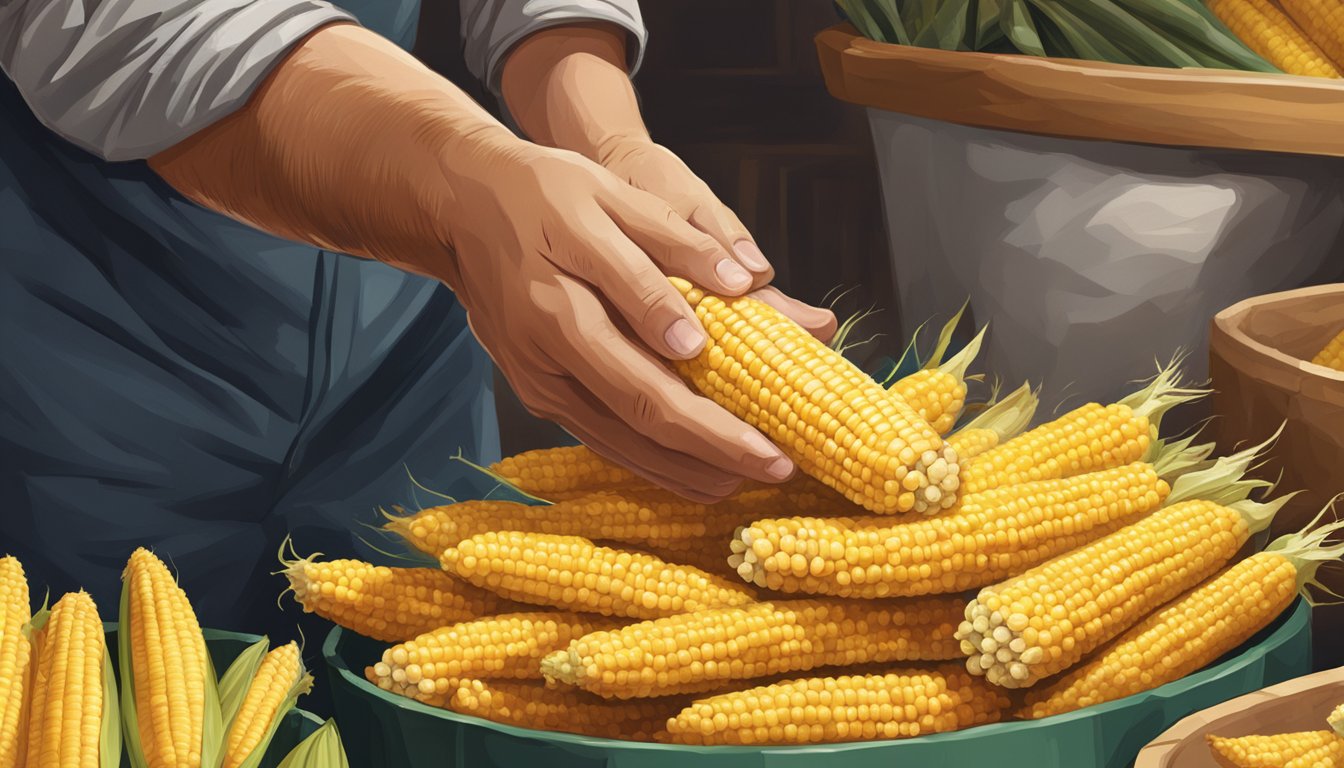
column 125, row 79
column 491, row 27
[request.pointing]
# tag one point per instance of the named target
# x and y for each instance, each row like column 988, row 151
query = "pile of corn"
column 59, row 701
column 1323, row 748
column 925, row 572
column 1332, row 356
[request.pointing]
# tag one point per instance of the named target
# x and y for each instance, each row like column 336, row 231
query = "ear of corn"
column 1327, row 755
column 511, row 645
column 388, row 604
column 551, row 473
column 237, row 679
column 573, row 573
column 1333, row 354
column 275, row 689
column 322, row 749
column 992, row 535
column 998, row 423
column 15, row 652
column 698, row 651
column 1269, row 32
column 1087, row 439
column 836, row 423
column 530, row 704
column 814, row 710
column 938, row 392
column 1322, row 21
column 170, row 702
column 1045, row 620
column 73, row 720
column 1258, row 751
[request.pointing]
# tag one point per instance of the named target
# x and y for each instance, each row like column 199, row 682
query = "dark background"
column 733, row 87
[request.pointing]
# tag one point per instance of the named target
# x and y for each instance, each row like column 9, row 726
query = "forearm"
column 568, row 87
column 347, row 145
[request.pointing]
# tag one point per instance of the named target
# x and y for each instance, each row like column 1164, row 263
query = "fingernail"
column 780, row 468
column 684, row 338
column 759, row 445
column 751, row 255
column 732, row 275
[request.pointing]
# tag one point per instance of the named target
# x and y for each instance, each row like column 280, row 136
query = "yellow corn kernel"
column 530, row 704
column 704, row 650
column 938, row 392
column 832, row 419
column 280, row 673
column 1327, row 755
column 816, row 710
column 1265, row 29
column 1275, row 751
column 549, row 472
column 1333, row 354
column 510, row 645
column 1045, row 620
column 993, row 535
column 1182, row 637
column 66, row 716
column 997, row 424
column 1322, row 21
column 168, row 662
column 15, row 653
column 573, row 573
column 1336, row 719
column 388, row 604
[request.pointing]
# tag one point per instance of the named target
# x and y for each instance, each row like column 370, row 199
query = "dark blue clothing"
column 174, row 379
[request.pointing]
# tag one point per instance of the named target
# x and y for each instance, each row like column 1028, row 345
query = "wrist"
column 611, row 149
column 470, row 158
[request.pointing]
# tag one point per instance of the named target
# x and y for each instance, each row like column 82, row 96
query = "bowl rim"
column 1279, row 632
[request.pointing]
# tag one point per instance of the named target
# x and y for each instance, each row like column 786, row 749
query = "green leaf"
column 1054, row 40
column 1123, row 30
column 862, row 20
column 947, row 29
column 1019, row 27
column 302, row 685
column 1086, row 41
column 238, row 677
column 130, row 722
column 109, row 736
column 321, row 750
column 1199, row 32
column 988, row 24
column 212, row 731
column 887, row 9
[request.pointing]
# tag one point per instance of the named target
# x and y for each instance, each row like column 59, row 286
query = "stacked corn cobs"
column 1083, row 560
column 1332, row 356
column 1321, row 748
column 59, row 700
column 1302, row 37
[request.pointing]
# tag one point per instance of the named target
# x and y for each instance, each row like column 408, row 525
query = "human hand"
column 561, row 267
column 653, row 168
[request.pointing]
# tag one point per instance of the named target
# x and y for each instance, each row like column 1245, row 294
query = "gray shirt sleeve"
column 125, row 79
column 491, row 27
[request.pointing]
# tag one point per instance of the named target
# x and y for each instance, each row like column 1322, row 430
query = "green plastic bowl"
column 224, row 647
column 382, row 729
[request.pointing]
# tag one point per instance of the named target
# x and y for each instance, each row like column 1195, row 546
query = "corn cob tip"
column 562, row 666
column 933, row 481
column 1309, row 549
column 1336, row 720
column 1162, row 393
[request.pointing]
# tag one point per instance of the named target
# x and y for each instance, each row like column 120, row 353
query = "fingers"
column 719, row 222
column 656, row 403
column 674, row 244
column 817, row 321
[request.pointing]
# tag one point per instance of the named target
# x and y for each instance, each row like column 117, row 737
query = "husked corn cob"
column 1000, row 422
column 169, row 665
column 640, row 517
column 815, row 710
column 549, row 472
column 1274, row 751
column 15, row 652
column 530, row 704
column 1327, row 755
column 1322, row 21
column 698, row 651
column 1045, row 620
column 573, row 573
column 938, row 392
column 1196, row 628
column 1087, row 439
column 992, row 535
column 511, row 645
column 1269, row 32
column 388, row 604
column 835, row 422
column 66, row 719
column 1333, row 354
column 279, row 678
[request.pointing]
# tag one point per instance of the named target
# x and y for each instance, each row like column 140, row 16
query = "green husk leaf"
column 109, row 734
column 887, row 10
column 859, row 16
column 911, row 351
column 935, row 358
column 1309, row 549
column 947, row 30
column 959, row 362
column 212, row 733
column 1163, row 392
column 1176, row 457
column 238, row 677
column 1224, row 482
column 1018, row 27
column 1056, row 43
column 1199, row 32
column 1140, row 42
column 988, row 24
column 323, row 749
column 130, row 722
column 302, row 685
column 1088, row 42
column 1011, row 415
